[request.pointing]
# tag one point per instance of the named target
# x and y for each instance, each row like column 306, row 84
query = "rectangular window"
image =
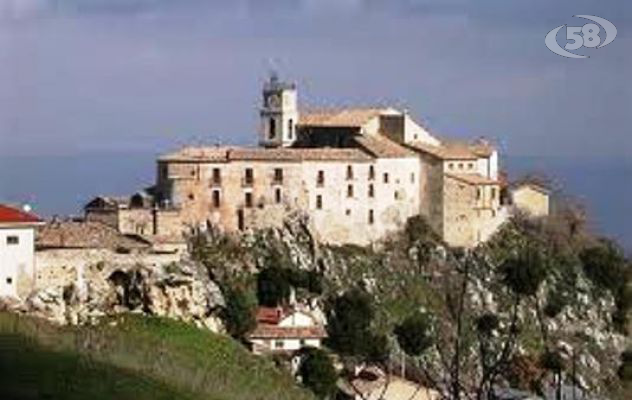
column 349, row 172
column 319, row 202
column 278, row 175
column 349, row 190
column 277, row 195
column 493, row 193
column 217, row 176
column 249, row 176
column 248, row 200
column 217, row 202
column 320, row 179
column 386, row 177
column 371, row 217
column 278, row 344
column 371, row 172
column 412, row 177
column 13, row 240
column 371, row 191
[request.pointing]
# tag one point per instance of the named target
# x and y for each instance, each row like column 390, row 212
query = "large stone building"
column 357, row 173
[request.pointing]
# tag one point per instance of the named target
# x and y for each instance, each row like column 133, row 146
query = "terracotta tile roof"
column 207, row 154
column 273, row 331
column 382, row 147
column 84, row 235
column 445, row 152
column 269, row 315
column 10, row 215
column 339, row 118
column 473, row 179
column 225, row 154
column 456, row 150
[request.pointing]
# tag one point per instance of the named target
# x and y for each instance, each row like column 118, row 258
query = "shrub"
column 415, row 334
column 625, row 370
column 419, row 229
column 318, row 373
column 487, row 323
column 525, row 271
column 273, row 286
column 555, row 303
column 349, row 321
column 605, row 265
column 239, row 313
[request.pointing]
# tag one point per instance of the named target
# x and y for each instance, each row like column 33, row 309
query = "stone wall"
column 59, row 267
column 531, row 200
column 343, row 209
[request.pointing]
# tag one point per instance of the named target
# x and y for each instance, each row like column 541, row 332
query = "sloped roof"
column 456, row 150
column 225, row 154
column 473, row 179
column 84, row 235
column 10, row 215
column 339, row 118
column 382, row 147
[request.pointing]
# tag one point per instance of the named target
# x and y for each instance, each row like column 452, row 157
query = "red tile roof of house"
column 269, row 315
column 10, row 215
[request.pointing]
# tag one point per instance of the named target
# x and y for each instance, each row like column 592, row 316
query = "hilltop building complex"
column 358, row 174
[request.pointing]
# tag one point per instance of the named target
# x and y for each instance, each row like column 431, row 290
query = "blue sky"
column 82, row 76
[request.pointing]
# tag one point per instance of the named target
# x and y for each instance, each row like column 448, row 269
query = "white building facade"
column 17, row 248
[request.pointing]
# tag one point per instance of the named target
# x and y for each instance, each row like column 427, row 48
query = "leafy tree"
column 605, row 265
column 349, row 320
column 318, row 373
column 311, row 281
column 418, row 229
column 239, row 313
column 625, row 370
column 487, row 323
column 273, row 286
column 415, row 333
column 525, row 271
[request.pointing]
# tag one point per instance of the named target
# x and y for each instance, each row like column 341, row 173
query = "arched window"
column 272, row 129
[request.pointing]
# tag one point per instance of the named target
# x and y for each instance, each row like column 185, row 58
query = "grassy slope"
column 140, row 357
column 28, row 371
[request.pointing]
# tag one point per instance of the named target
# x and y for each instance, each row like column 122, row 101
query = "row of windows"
column 13, row 240
column 216, row 198
column 249, row 176
column 461, row 166
column 278, row 197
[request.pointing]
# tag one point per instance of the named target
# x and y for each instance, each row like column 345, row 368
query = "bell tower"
column 279, row 113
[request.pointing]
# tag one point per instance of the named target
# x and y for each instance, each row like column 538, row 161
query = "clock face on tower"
column 274, row 101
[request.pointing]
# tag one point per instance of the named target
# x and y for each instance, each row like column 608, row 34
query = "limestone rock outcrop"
column 180, row 291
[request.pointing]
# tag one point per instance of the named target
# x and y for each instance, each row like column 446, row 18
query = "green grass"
column 134, row 357
column 28, row 371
